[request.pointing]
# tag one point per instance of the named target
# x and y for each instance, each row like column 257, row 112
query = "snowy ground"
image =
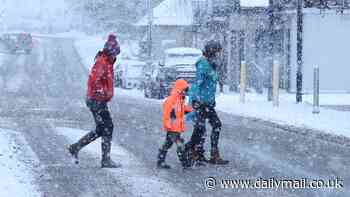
column 16, row 161
column 290, row 113
column 137, row 178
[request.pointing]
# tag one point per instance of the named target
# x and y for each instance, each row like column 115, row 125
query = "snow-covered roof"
column 183, row 56
column 123, row 63
column 183, row 50
column 254, row 3
column 131, row 62
column 171, row 13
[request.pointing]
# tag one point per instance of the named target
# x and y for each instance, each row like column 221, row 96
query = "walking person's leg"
column 195, row 146
column 216, row 125
column 181, row 153
column 107, row 135
column 92, row 135
column 163, row 152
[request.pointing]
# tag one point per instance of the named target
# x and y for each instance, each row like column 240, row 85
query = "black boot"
column 183, row 157
column 197, row 156
column 106, row 151
column 161, row 160
column 216, row 159
column 201, row 157
column 73, row 150
column 85, row 140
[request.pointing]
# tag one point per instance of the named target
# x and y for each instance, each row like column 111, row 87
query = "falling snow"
column 57, row 72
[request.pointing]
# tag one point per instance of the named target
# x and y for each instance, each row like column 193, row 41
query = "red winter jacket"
column 101, row 79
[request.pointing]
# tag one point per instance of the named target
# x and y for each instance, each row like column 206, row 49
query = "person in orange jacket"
column 174, row 109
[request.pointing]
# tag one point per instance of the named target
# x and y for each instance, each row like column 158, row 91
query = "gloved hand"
column 190, row 117
column 213, row 104
column 173, row 114
column 196, row 105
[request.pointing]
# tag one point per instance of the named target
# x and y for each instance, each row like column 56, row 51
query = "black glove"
column 212, row 104
column 196, row 105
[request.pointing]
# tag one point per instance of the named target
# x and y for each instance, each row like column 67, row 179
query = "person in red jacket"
column 100, row 92
column 174, row 110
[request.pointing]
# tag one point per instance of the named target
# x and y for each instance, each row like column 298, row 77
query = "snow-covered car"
column 177, row 63
column 129, row 74
column 15, row 42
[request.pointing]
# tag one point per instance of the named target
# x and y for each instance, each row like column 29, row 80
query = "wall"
column 327, row 45
column 162, row 35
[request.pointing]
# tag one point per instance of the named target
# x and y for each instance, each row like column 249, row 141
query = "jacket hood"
column 180, row 85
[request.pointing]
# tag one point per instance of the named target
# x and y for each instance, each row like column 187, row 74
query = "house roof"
column 171, row 13
column 254, row 3
column 183, row 50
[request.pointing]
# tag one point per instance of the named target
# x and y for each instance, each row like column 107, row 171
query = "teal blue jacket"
column 203, row 89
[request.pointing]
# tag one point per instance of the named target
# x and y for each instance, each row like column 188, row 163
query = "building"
column 256, row 32
column 326, row 30
column 242, row 27
column 173, row 25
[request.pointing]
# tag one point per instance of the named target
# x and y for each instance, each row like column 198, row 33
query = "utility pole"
column 197, row 24
column 271, row 47
column 2, row 16
column 150, row 24
column 237, row 44
column 299, row 77
column 233, row 28
column 41, row 9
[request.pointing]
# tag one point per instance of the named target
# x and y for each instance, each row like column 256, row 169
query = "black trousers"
column 104, row 128
column 197, row 140
column 102, row 117
column 171, row 138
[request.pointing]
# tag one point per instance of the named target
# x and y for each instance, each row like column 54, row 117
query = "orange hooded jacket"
column 174, row 108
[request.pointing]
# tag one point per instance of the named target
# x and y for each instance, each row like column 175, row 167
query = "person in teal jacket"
column 202, row 96
column 204, row 88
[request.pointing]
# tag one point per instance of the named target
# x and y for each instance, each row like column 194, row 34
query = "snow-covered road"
column 47, row 108
column 17, row 165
